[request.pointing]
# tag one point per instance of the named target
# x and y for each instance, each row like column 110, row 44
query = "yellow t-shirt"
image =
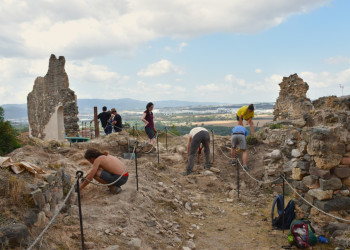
column 244, row 111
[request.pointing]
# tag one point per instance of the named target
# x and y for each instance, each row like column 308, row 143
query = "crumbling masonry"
column 52, row 105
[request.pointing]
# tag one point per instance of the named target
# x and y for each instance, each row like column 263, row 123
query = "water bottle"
column 322, row 239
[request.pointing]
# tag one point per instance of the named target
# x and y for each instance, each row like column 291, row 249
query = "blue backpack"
column 289, row 213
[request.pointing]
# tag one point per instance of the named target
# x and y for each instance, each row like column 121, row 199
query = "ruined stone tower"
column 52, row 105
column 292, row 102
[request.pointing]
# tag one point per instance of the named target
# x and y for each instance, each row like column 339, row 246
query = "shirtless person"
column 105, row 169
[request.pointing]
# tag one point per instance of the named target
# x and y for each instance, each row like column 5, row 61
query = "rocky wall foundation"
column 314, row 153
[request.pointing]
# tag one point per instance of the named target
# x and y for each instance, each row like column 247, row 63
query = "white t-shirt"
column 194, row 131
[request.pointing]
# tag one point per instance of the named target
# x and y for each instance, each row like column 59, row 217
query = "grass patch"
column 275, row 126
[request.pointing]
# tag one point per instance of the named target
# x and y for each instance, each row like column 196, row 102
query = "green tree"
column 8, row 135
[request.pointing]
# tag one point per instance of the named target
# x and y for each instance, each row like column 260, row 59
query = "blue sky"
column 230, row 51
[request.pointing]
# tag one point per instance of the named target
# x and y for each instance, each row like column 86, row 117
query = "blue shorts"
column 109, row 178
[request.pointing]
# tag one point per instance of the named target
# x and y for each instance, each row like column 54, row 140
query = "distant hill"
column 15, row 111
column 86, row 106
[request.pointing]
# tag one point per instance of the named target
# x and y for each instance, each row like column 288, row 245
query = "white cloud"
column 88, row 28
column 160, row 68
column 86, row 78
column 180, row 47
column 258, row 71
column 235, row 80
column 326, row 83
column 337, row 60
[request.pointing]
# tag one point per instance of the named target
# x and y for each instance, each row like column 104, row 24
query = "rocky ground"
column 169, row 211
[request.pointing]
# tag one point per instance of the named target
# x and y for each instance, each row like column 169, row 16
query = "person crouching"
column 105, row 169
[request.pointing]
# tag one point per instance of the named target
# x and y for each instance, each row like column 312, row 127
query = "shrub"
column 8, row 136
column 275, row 126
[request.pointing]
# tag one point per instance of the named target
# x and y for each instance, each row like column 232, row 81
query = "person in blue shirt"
column 238, row 138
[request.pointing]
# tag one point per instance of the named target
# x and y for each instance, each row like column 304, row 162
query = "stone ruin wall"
column 313, row 150
column 292, row 102
column 50, row 98
column 43, row 197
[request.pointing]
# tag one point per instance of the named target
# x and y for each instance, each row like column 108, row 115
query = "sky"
column 227, row 51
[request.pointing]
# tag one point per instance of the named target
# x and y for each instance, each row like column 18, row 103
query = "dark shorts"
column 150, row 132
column 109, row 178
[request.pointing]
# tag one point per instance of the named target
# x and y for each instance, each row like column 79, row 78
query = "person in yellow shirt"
column 246, row 113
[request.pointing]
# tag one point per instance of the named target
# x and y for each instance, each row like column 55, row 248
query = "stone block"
column 337, row 204
column 276, row 154
column 41, row 219
column 330, row 184
column 296, row 153
column 320, row 194
column 302, row 147
column 328, row 161
column 310, row 181
column 345, row 192
column 297, row 174
column 303, row 165
column 38, row 198
column 300, row 185
column 309, row 198
column 299, row 123
column 289, row 165
column 346, row 181
column 14, row 235
column 341, row 172
column 49, row 177
column 307, row 157
column 345, row 161
column 325, row 174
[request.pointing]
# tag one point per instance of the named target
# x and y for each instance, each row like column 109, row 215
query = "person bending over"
column 246, row 113
column 238, row 138
column 197, row 137
column 150, row 128
column 105, row 169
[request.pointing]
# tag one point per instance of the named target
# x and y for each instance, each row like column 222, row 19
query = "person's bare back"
column 110, row 163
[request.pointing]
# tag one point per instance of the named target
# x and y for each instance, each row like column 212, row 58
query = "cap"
column 113, row 110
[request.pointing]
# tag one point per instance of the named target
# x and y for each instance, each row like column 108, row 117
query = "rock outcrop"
column 314, row 152
column 292, row 102
column 52, row 106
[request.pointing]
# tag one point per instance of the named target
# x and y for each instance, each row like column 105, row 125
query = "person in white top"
column 197, row 136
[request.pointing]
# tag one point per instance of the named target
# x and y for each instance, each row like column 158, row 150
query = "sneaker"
column 233, row 161
column 115, row 189
column 186, row 173
column 207, row 167
column 245, row 167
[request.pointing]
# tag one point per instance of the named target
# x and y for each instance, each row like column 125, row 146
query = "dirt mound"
column 169, row 210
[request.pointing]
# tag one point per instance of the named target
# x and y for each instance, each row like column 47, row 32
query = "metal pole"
column 137, row 177
column 90, row 131
column 237, row 172
column 137, row 132
column 158, row 148
column 166, row 139
column 80, row 174
column 283, row 204
column 133, row 130
column 212, row 132
column 97, row 129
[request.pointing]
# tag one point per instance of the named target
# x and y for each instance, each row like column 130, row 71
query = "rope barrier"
column 320, row 210
column 230, row 158
column 112, row 183
column 52, row 219
column 263, row 182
